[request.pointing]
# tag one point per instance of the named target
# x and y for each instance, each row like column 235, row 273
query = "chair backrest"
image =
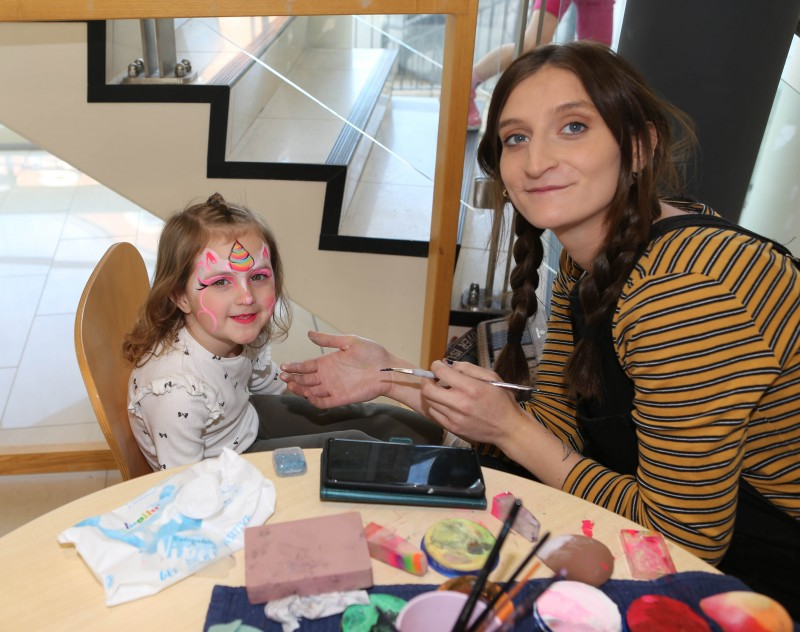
column 106, row 312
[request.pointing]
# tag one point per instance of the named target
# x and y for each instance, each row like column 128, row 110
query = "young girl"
column 668, row 390
column 201, row 344
column 203, row 376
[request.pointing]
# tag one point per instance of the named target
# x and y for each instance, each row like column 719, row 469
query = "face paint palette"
column 659, row 613
column 647, row 554
column 744, row 611
column 456, row 546
column 363, row 618
column 569, row 605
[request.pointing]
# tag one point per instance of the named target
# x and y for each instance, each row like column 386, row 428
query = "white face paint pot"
column 576, row 607
column 437, row 611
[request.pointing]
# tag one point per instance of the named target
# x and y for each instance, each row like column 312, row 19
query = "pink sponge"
column 387, row 546
column 306, row 557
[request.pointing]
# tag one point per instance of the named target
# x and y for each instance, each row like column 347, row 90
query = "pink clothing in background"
column 595, row 17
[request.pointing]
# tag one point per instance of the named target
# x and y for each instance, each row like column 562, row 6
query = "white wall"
column 155, row 155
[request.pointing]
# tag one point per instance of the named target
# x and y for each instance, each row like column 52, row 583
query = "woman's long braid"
column 599, row 290
column 511, row 364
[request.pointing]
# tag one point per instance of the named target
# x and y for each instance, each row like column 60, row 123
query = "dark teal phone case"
column 429, row 500
column 432, row 499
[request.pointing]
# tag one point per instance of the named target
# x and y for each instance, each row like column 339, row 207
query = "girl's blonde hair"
column 185, row 234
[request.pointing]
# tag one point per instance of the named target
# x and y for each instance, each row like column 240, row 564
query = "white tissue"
column 289, row 610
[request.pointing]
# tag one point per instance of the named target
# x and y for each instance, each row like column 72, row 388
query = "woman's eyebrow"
column 575, row 105
column 559, row 109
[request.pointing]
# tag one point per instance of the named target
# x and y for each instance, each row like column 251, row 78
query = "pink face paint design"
column 240, row 259
column 205, row 261
column 211, row 270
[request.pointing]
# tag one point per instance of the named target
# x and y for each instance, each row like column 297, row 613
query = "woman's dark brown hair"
column 635, row 115
column 184, row 235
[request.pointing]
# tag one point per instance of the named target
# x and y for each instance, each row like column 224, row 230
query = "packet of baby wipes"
column 174, row 529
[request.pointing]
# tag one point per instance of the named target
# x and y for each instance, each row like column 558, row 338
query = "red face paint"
column 658, row 613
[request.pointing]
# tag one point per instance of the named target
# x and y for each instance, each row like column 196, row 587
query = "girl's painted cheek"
column 205, row 310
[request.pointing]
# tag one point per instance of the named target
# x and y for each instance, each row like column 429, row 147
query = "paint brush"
column 526, row 608
column 430, row 375
column 510, row 594
column 483, row 576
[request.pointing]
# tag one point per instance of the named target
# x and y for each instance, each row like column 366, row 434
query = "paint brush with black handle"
column 483, row 576
column 510, row 594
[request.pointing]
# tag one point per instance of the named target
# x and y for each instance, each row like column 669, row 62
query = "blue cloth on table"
column 230, row 603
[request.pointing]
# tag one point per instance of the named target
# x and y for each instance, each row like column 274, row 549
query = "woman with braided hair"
column 668, row 390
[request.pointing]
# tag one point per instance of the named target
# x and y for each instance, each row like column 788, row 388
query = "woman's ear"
column 641, row 156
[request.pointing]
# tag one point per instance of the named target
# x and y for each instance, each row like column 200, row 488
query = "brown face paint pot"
column 576, row 607
column 583, row 559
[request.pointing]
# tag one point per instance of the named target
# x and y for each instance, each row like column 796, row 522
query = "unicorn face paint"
column 231, row 294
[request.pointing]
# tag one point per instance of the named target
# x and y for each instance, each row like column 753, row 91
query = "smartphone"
column 402, row 468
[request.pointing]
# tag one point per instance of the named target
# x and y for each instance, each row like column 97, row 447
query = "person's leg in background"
column 287, row 420
column 497, row 60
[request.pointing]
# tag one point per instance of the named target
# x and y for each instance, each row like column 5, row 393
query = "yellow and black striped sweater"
column 708, row 329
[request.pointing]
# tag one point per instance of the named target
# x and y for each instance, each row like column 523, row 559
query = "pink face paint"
column 206, row 261
column 587, row 526
column 647, row 554
column 572, row 605
column 240, row 259
column 239, row 269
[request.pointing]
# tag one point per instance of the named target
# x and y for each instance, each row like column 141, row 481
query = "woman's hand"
column 473, row 409
column 346, row 376
column 470, row 407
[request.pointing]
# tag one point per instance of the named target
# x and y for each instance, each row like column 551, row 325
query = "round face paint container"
column 576, row 607
column 437, row 611
column 659, row 613
column 456, row 546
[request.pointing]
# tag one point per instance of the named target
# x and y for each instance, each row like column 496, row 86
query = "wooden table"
column 47, row 586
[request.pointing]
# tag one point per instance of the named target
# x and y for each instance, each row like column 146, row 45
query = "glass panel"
column 495, row 46
column 772, row 206
column 360, row 91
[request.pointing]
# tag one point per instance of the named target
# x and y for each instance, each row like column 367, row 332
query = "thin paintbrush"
column 517, row 587
column 480, row 581
column 526, row 608
column 430, row 375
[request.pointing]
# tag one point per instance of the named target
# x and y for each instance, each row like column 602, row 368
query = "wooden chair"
column 106, row 312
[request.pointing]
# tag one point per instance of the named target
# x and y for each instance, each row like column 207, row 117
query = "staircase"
column 167, row 147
